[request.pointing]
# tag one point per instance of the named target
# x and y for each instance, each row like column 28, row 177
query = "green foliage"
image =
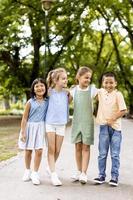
column 93, row 33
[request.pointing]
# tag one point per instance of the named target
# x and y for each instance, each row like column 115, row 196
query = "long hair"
column 81, row 71
column 53, row 76
column 38, row 80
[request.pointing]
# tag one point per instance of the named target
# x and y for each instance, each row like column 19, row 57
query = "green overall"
column 83, row 122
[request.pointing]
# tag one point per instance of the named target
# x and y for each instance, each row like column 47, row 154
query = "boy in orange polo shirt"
column 110, row 110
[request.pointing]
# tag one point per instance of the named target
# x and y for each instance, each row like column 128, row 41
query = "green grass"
column 9, row 131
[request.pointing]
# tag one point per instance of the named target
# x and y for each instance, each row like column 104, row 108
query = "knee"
column 78, row 147
column 102, row 155
column 57, row 153
column 51, row 150
column 115, row 156
column 86, row 148
column 39, row 152
column 28, row 153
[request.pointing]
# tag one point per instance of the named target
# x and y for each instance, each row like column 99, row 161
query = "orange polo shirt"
column 109, row 105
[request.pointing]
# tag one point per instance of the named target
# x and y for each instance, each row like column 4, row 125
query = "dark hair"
column 38, row 80
column 109, row 74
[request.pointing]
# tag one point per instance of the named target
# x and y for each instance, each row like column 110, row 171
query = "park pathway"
column 12, row 188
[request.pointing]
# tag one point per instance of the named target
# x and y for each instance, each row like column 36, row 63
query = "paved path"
column 12, row 188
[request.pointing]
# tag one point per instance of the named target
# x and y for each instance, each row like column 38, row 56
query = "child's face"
column 85, row 80
column 109, row 83
column 62, row 82
column 39, row 89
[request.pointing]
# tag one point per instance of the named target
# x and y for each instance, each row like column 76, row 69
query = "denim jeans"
column 109, row 138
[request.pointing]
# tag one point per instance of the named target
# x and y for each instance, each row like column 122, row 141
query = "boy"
column 110, row 110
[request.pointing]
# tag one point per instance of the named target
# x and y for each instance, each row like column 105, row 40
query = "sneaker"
column 55, row 180
column 26, row 176
column 113, row 182
column 75, row 177
column 35, row 178
column 48, row 171
column 99, row 180
column 83, row 178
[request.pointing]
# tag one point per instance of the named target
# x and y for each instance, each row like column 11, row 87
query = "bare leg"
column 85, row 157
column 37, row 160
column 51, row 150
column 58, row 144
column 78, row 155
column 28, row 154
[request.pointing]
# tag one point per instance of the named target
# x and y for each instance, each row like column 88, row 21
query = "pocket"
column 103, row 128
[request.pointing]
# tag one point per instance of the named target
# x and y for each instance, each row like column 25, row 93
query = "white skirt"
column 35, row 135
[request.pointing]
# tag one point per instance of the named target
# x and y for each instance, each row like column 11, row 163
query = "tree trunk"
column 6, row 103
column 130, row 114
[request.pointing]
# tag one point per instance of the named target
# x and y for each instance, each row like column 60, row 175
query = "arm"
column 70, row 98
column 24, row 121
column 71, row 93
column 121, row 109
column 118, row 115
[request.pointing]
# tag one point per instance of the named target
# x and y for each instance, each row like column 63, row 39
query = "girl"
column 56, row 118
column 32, row 129
column 82, row 123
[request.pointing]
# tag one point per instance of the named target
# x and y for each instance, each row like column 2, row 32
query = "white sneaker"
column 35, row 178
column 83, row 178
column 48, row 171
column 55, row 180
column 75, row 177
column 26, row 176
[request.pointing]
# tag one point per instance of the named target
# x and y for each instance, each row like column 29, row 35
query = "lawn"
column 9, row 130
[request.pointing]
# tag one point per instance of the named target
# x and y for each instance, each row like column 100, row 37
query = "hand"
column 23, row 137
column 110, row 121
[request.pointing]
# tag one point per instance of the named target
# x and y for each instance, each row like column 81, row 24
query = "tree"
column 80, row 33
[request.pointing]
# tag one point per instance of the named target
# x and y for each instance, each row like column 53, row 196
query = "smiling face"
column 39, row 89
column 109, row 83
column 84, row 80
column 62, row 81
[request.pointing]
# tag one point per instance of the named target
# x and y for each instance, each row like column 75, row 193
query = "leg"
column 27, row 173
column 115, row 152
column 78, row 155
column 37, row 160
column 85, row 161
column 85, row 157
column 28, row 154
column 103, row 149
column 58, row 144
column 34, row 176
column 51, row 150
column 54, row 146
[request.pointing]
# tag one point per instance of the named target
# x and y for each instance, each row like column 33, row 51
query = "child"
column 32, row 129
column 56, row 118
column 110, row 110
column 82, row 123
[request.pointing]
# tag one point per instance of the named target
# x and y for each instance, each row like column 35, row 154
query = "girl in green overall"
column 82, row 124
